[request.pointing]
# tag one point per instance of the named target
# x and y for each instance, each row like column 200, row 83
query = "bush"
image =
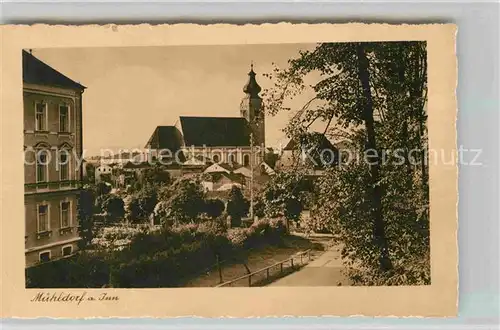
column 162, row 258
column 142, row 204
column 82, row 270
column 156, row 175
column 214, row 207
column 114, row 207
column 237, row 206
column 170, row 268
column 102, row 188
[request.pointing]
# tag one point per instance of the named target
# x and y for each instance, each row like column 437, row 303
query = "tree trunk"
column 378, row 220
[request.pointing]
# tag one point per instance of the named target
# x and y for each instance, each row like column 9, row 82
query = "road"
column 325, row 270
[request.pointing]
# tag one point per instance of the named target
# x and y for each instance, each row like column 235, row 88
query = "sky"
column 132, row 90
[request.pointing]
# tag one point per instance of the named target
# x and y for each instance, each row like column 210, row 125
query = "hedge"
column 83, row 270
column 159, row 259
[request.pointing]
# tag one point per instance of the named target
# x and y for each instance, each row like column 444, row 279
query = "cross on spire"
column 252, row 87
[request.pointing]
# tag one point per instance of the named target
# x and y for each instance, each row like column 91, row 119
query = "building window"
column 41, row 116
column 43, row 217
column 232, row 159
column 67, row 250
column 64, row 166
column 65, row 214
column 42, row 166
column 44, row 256
column 63, row 119
column 246, row 160
column 216, row 158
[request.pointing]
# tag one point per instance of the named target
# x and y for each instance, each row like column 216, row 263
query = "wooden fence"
column 267, row 274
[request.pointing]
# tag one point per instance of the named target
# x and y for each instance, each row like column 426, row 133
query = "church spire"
column 251, row 87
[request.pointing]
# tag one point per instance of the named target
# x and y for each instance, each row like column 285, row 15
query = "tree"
column 183, row 201
column 114, row 207
column 285, row 195
column 102, row 189
column 237, row 206
column 259, row 208
column 214, row 207
column 90, row 173
column 372, row 95
column 156, row 175
column 99, row 202
column 85, row 217
column 142, row 203
column 270, row 157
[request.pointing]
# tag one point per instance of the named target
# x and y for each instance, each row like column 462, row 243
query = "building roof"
column 225, row 166
column 215, row 131
column 319, row 140
column 234, row 177
column 131, row 165
column 252, row 87
column 315, row 144
column 165, row 137
column 39, row 73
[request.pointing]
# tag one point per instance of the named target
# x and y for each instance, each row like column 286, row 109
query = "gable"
column 215, row 131
column 214, row 168
column 243, row 170
column 38, row 73
column 312, row 145
column 268, row 169
column 165, row 137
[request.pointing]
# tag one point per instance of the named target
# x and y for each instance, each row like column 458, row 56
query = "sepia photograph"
column 250, row 165
column 229, row 171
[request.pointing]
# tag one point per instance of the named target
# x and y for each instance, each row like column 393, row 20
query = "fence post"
column 250, row 280
column 281, row 268
column 292, row 262
column 301, row 262
column 219, row 269
column 267, row 273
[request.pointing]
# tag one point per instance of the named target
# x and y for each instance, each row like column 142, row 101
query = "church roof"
column 165, row 137
column 215, row 131
column 252, row 87
column 39, row 73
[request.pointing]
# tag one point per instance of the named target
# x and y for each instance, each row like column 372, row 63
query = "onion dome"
column 251, row 87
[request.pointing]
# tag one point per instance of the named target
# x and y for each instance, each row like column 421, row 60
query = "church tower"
column 251, row 109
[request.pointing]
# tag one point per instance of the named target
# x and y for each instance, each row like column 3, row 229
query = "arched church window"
column 232, row 159
column 246, row 160
column 215, row 158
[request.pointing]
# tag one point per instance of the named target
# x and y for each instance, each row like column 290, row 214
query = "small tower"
column 251, row 109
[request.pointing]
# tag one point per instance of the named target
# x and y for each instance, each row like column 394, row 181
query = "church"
column 200, row 140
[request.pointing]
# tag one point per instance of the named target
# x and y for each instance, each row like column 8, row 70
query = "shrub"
column 114, row 207
column 237, row 237
column 237, row 206
column 214, row 207
column 102, row 188
column 82, row 270
column 163, row 269
column 142, row 203
column 156, row 175
column 167, row 257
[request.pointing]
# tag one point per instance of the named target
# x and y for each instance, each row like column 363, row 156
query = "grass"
column 262, row 258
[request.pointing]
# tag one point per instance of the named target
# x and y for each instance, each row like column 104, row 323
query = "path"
column 262, row 258
column 326, row 270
